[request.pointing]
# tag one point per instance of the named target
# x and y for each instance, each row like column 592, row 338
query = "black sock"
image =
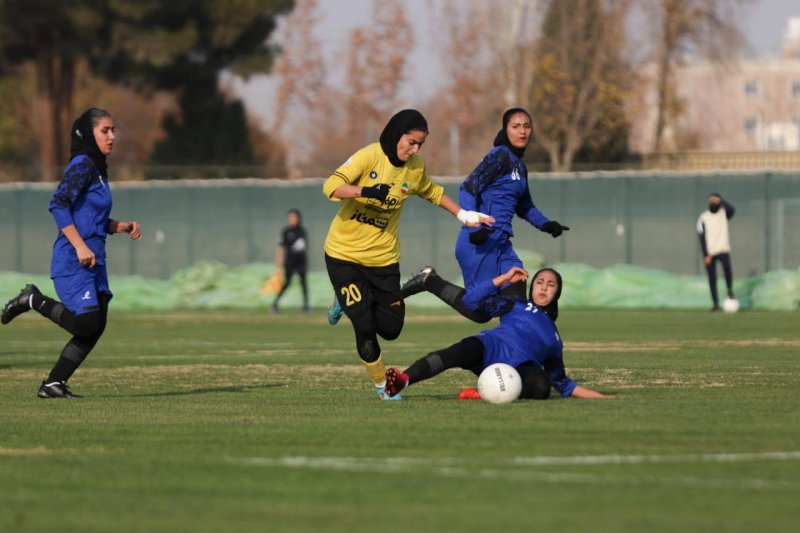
column 71, row 358
column 48, row 307
column 452, row 295
column 63, row 369
column 425, row 368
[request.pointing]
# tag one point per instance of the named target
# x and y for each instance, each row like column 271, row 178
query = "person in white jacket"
column 712, row 227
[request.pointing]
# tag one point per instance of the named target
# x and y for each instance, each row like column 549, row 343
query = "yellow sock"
column 376, row 371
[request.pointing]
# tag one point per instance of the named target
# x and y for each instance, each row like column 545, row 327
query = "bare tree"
column 580, row 78
column 376, row 62
column 300, row 69
column 511, row 28
column 703, row 27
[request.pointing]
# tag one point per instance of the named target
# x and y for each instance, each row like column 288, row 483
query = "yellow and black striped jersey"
column 364, row 231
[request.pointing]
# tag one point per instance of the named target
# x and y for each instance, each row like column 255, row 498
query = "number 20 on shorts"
column 351, row 294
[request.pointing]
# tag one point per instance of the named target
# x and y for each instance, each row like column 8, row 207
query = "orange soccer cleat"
column 470, row 393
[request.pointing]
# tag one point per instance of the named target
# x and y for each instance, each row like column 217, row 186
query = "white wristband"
column 469, row 217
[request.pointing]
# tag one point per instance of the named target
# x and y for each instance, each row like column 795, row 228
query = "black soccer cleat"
column 395, row 382
column 416, row 283
column 18, row 304
column 56, row 389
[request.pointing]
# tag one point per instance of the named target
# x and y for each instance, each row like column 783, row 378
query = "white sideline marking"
column 656, row 459
column 440, row 467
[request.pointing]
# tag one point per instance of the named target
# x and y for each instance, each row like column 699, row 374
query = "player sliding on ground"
column 527, row 339
column 499, row 187
column 362, row 251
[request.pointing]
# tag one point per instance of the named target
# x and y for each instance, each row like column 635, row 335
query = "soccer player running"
column 712, row 228
column 527, row 339
column 362, row 250
column 81, row 207
column 499, row 187
column 291, row 256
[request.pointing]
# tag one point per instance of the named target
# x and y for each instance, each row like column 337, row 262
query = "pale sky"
column 763, row 23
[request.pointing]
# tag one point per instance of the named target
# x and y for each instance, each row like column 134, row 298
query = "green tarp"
column 213, row 285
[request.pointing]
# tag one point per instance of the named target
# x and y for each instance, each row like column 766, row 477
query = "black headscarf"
column 502, row 137
column 400, row 124
column 552, row 308
column 83, row 142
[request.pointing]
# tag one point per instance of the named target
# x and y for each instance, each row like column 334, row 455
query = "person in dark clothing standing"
column 292, row 257
column 81, row 205
column 712, row 228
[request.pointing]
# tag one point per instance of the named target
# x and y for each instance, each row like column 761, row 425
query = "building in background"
column 749, row 106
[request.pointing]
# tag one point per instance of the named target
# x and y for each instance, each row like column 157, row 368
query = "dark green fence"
column 634, row 218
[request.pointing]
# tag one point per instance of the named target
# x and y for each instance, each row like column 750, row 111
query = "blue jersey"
column 525, row 334
column 82, row 198
column 499, row 187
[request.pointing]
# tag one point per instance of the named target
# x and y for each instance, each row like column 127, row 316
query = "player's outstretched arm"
column 589, row 394
column 471, row 219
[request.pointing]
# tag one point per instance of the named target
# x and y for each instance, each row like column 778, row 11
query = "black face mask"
column 713, row 207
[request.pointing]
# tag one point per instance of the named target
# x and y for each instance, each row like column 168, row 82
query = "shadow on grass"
column 431, row 396
column 210, row 390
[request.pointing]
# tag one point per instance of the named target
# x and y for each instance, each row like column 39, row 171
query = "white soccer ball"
column 499, row 383
column 730, row 305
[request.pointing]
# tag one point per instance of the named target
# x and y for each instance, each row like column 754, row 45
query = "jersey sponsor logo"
column 515, row 175
column 87, row 296
column 299, row 245
column 373, row 175
column 363, row 218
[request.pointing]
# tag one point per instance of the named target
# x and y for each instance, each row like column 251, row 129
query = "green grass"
column 233, row 422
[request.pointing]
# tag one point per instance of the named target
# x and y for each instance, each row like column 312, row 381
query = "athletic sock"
column 443, row 289
column 425, row 368
column 71, row 358
column 63, row 369
column 452, row 295
column 47, row 307
column 376, row 370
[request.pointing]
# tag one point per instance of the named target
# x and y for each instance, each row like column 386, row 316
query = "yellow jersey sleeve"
column 429, row 190
column 350, row 172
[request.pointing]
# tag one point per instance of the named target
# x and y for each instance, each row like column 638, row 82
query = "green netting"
column 213, row 285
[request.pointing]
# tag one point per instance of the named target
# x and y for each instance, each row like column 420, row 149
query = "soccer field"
column 233, row 422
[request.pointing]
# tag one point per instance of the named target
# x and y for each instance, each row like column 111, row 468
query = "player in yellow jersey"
column 362, row 251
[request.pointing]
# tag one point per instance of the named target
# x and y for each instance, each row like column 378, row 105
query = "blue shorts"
column 481, row 262
column 79, row 292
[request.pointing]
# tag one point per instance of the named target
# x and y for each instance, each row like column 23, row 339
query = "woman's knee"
column 90, row 325
column 389, row 323
column 535, row 383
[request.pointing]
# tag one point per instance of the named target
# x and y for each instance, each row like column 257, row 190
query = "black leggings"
column 384, row 320
column 86, row 330
column 711, row 270
column 291, row 270
column 468, row 354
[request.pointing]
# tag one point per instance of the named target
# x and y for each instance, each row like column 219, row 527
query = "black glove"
column 379, row 191
column 554, row 228
column 480, row 236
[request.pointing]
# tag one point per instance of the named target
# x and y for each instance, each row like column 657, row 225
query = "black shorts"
column 360, row 289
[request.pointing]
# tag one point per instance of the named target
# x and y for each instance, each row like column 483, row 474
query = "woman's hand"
column 474, row 219
column 85, row 256
column 514, row 275
column 131, row 228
